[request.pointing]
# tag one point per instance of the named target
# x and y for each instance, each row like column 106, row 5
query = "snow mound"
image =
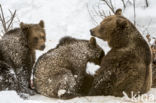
column 12, row 97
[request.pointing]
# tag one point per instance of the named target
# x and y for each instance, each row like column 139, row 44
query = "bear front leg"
column 23, row 81
column 8, row 78
column 69, row 87
column 86, row 84
column 56, row 84
column 102, row 84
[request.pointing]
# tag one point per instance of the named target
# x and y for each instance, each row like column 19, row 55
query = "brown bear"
column 17, row 52
column 60, row 73
column 127, row 66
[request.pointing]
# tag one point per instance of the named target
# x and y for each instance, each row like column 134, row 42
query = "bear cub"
column 17, row 56
column 60, row 73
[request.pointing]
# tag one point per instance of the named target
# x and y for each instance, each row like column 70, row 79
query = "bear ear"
column 118, row 12
column 122, row 23
column 23, row 26
column 41, row 23
column 92, row 41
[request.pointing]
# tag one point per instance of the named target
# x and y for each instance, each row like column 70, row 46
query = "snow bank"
column 12, row 97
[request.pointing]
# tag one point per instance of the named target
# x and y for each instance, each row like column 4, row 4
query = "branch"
column 123, row 2
column 91, row 16
column 102, row 13
column 134, row 12
column 7, row 21
column 110, row 5
column 146, row 1
column 3, row 19
column 12, row 18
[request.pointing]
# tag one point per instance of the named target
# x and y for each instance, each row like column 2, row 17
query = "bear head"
column 96, row 53
column 114, row 29
column 35, row 35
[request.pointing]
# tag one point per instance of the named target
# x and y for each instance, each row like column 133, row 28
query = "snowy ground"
column 71, row 17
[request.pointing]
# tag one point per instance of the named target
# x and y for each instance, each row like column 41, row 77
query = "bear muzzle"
column 92, row 32
column 42, row 47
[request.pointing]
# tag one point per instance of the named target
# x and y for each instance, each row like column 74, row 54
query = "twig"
column 12, row 18
column 110, row 5
column 3, row 19
column 145, row 28
column 123, row 2
column 147, row 4
column 98, row 13
column 134, row 12
column 91, row 16
column 102, row 13
column 6, row 24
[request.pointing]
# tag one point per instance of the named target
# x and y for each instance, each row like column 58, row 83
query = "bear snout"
column 92, row 32
column 154, row 61
column 42, row 47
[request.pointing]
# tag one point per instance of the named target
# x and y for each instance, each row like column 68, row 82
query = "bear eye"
column 35, row 39
column 43, row 37
column 101, row 29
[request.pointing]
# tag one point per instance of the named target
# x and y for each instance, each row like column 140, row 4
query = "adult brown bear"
column 127, row 66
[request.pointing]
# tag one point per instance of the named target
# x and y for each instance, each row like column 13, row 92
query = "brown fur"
column 153, row 47
column 17, row 49
column 127, row 66
column 35, row 35
column 118, row 12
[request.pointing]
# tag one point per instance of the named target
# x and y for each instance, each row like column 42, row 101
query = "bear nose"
column 42, row 47
column 91, row 32
column 154, row 61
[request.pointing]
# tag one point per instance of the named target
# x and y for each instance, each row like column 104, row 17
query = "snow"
column 71, row 18
column 14, row 98
column 61, row 92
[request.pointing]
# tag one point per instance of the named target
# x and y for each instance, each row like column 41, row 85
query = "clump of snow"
column 92, row 68
column 75, row 76
column 61, row 92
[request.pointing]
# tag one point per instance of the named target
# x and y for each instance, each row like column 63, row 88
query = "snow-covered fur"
column 17, row 57
column 61, row 71
column 8, row 78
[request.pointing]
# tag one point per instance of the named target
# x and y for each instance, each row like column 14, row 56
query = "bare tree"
column 6, row 24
